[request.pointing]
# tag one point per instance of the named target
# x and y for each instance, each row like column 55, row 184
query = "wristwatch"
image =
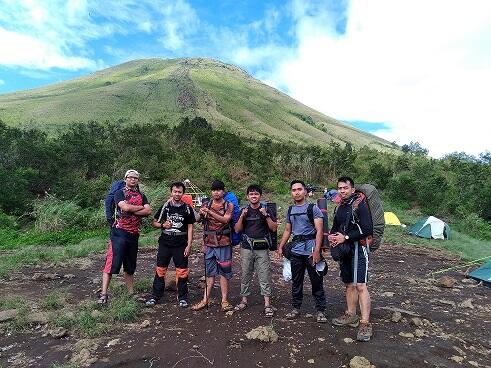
column 346, row 237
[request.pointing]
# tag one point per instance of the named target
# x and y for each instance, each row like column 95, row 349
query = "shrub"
column 52, row 214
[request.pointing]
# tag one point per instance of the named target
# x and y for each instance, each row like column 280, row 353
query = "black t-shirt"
column 180, row 217
column 255, row 225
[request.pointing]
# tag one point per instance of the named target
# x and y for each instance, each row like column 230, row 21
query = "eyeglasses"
column 132, row 177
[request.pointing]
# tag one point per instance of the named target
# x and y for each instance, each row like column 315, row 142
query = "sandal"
column 227, row 307
column 321, row 317
column 240, row 307
column 268, row 311
column 102, row 299
column 293, row 314
column 201, row 305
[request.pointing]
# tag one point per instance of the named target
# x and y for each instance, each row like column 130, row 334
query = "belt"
column 300, row 238
column 174, row 233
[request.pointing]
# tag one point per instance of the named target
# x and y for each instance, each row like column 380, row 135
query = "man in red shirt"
column 122, row 250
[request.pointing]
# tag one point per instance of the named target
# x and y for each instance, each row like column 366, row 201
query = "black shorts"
column 122, row 251
column 347, row 264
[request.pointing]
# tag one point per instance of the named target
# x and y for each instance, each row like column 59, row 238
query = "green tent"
column 431, row 228
column 483, row 273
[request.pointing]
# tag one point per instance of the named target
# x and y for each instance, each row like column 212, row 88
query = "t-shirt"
column 257, row 226
column 301, row 225
column 180, row 216
column 212, row 224
column 128, row 221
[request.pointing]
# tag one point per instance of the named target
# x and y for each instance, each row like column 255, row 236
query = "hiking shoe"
column 151, row 302
column 364, row 332
column 293, row 314
column 183, row 303
column 346, row 320
column 102, row 299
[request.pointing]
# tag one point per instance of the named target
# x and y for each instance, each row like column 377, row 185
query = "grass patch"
column 143, row 285
column 20, row 322
column 11, row 303
column 54, row 300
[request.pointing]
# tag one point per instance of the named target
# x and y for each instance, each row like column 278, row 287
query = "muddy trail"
column 417, row 321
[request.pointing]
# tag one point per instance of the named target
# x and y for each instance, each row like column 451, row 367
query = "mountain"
column 170, row 89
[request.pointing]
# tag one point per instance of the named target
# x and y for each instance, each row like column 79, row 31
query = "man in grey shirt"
column 305, row 221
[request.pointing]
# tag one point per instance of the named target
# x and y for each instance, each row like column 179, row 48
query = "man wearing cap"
column 131, row 206
column 217, row 245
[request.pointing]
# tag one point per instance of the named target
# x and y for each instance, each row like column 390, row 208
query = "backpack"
column 232, row 198
column 110, row 206
column 165, row 207
column 310, row 213
column 371, row 196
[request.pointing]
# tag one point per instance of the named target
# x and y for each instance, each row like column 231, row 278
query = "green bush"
column 474, row 226
column 7, row 221
column 52, row 214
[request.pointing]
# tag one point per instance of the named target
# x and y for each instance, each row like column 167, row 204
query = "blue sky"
column 404, row 70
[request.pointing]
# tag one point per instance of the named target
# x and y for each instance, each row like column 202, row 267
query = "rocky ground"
column 418, row 321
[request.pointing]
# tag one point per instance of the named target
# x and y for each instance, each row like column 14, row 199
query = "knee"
column 350, row 287
column 361, row 288
column 161, row 271
column 182, row 273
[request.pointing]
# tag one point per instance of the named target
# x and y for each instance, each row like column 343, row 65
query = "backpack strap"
column 310, row 213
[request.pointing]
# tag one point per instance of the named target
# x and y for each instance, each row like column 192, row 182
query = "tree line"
column 79, row 164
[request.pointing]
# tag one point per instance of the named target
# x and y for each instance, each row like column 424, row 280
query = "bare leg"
column 267, row 301
column 351, row 298
column 209, row 285
column 129, row 280
column 224, row 288
column 364, row 299
column 106, row 279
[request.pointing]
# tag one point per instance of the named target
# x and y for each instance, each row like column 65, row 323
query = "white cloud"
column 2, row 82
column 179, row 20
column 422, row 67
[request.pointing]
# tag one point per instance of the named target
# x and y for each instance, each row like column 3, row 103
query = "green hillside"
column 169, row 89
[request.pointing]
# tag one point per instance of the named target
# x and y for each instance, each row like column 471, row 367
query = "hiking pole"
column 460, row 266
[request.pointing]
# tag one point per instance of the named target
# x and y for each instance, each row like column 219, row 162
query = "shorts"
column 346, row 266
column 121, row 251
column 218, row 261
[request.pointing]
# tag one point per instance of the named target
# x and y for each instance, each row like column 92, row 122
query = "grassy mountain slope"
column 170, row 89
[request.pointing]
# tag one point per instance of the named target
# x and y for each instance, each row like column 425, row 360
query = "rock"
column 419, row 332
column 468, row 281
column 58, row 332
column 388, row 294
column 81, row 358
column 473, row 363
column 69, row 276
column 113, row 342
column 309, row 315
column 408, row 335
column 467, row 304
column 396, row 317
column 96, row 314
column 446, row 282
column 360, row 362
column 321, row 339
column 145, row 324
column 447, row 302
column 311, row 361
column 417, row 321
column 195, row 347
column 96, row 280
column 348, row 340
column 457, row 359
column 51, row 276
column 263, row 333
column 8, row 314
column 38, row 317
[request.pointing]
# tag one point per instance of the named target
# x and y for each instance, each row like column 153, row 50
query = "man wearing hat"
column 131, row 205
column 217, row 245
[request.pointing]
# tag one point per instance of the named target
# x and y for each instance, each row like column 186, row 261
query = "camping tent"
column 483, row 273
column 391, row 219
column 431, row 228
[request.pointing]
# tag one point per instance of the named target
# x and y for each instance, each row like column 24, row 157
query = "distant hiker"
column 305, row 221
column 350, row 226
column 217, row 246
column 131, row 206
column 176, row 220
column 255, row 222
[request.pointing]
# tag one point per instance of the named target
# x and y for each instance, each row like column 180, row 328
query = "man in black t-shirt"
column 255, row 223
column 176, row 220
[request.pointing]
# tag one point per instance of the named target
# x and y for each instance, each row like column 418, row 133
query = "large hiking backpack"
column 232, row 198
column 110, row 206
column 374, row 204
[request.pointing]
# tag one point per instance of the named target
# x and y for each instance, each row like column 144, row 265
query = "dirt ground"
column 438, row 326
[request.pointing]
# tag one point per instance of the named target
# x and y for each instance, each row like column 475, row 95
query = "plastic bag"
column 287, row 270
